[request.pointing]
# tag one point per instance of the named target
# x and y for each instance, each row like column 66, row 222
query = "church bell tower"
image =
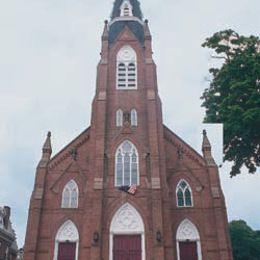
column 127, row 187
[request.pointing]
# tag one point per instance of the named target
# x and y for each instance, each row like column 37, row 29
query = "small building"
column 8, row 245
column 20, row 254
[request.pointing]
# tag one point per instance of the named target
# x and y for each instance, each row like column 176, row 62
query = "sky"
column 49, row 50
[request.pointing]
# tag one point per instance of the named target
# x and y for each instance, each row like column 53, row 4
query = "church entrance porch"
column 127, row 247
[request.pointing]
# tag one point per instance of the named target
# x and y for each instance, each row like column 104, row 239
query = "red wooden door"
column 67, row 251
column 127, row 247
column 188, row 251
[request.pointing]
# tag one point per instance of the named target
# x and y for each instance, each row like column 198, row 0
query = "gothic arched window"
column 126, row 68
column 126, row 170
column 119, row 118
column 134, row 120
column 184, row 194
column 70, row 195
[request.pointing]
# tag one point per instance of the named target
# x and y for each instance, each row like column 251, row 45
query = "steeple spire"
column 206, row 149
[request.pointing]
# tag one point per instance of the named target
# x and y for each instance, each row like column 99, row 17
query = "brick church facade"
column 82, row 207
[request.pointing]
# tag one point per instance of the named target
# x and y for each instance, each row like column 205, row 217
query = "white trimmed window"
column 127, row 170
column 70, row 195
column 184, row 194
column 119, row 118
column 126, row 9
column 134, row 120
column 126, row 68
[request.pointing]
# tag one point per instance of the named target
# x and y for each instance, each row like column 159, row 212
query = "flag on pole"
column 129, row 189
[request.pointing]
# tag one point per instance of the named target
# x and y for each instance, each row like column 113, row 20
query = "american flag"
column 129, row 189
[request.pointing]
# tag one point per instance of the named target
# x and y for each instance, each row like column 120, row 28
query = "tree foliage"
column 233, row 97
column 245, row 241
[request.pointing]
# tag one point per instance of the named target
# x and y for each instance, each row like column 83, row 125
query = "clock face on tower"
column 127, row 54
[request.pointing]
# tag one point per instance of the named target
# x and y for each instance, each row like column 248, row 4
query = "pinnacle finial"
column 105, row 31
column 206, row 149
column 47, row 145
column 205, row 144
column 46, row 151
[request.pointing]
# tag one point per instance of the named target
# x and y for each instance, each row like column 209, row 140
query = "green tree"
column 233, row 97
column 245, row 241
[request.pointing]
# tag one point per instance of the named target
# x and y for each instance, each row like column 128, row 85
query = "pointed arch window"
column 184, row 194
column 70, row 195
column 119, row 118
column 134, row 120
column 126, row 68
column 127, row 170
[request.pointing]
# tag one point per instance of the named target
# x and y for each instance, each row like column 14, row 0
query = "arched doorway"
column 188, row 241
column 127, row 240
column 66, row 242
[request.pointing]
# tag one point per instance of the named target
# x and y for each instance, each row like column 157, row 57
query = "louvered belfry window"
column 126, row 68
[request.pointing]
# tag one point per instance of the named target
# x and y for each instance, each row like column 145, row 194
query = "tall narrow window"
column 134, row 117
column 126, row 68
column 127, row 172
column 70, row 195
column 119, row 118
column 184, row 194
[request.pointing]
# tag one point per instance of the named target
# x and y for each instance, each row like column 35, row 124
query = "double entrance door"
column 127, row 247
column 67, row 251
column 188, row 250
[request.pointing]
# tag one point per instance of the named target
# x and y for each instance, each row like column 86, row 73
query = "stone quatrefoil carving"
column 68, row 231
column 127, row 219
column 187, row 231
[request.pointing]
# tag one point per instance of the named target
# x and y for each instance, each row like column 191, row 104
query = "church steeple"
column 126, row 13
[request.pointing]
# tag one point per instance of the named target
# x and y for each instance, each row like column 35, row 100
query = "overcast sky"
column 49, row 50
